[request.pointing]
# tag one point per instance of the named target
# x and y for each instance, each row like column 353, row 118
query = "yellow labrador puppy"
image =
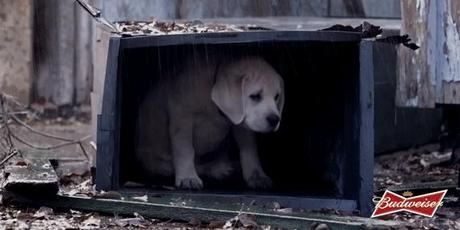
column 190, row 114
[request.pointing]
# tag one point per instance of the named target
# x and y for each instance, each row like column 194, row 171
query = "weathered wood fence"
column 63, row 64
column 431, row 75
column 47, row 47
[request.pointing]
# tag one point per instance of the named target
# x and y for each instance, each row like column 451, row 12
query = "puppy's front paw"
column 189, row 183
column 258, row 180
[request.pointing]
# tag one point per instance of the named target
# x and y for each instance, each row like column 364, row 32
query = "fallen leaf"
column 134, row 222
column 195, row 222
column 216, row 224
column 242, row 220
column 75, row 212
column 108, row 195
column 43, row 212
column 322, row 227
column 24, row 216
column 143, row 198
column 284, row 210
column 139, row 216
column 131, row 184
column 21, row 163
column 424, row 163
column 91, row 223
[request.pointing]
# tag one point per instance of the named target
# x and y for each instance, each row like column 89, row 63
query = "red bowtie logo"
column 425, row 205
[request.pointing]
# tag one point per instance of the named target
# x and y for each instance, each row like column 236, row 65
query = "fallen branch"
column 14, row 153
column 38, row 147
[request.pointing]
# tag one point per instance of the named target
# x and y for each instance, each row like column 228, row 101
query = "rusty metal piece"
column 96, row 14
column 90, row 9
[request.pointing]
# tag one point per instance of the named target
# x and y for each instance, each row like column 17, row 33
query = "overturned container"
column 322, row 155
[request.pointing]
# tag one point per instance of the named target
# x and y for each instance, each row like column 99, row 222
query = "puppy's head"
column 250, row 92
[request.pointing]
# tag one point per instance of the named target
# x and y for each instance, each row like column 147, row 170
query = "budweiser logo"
column 425, row 205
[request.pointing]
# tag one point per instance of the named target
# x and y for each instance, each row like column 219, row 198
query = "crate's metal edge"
column 366, row 127
column 238, row 37
column 105, row 157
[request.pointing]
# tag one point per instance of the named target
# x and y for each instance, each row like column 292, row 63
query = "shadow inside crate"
column 311, row 153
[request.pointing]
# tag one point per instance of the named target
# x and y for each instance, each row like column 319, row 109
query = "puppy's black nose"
column 273, row 120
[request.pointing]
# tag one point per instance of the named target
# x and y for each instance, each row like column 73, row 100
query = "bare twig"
column 8, row 146
column 83, row 150
column 38, row 147
column 90, row 9
column 6, row 142
column 10, row 100
column 5, row 119
column 70, row 141
column 17, row 120
column 12, row 154
column 96, row 14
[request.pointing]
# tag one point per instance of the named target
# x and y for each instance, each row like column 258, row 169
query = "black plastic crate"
column 322, row 155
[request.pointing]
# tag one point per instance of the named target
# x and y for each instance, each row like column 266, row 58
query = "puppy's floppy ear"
column 227, row 94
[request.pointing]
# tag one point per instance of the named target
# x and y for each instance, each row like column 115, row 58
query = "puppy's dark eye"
column 277, row 97
column 256, row 97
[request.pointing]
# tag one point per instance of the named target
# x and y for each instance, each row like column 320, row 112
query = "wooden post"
column 83, row 55
column 416, row 78
column 366, row 127
column 63, row 62
column 16, row 48
column 448, row 52
column 55, row 51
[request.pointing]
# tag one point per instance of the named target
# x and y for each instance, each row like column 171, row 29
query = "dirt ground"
column 417, row 166
column 403, row 167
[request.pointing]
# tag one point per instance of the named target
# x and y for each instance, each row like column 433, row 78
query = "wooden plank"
column 366, row 128
column 101, row 49
column 249, row 8
column 32, row 177
column 122, row 10
column 365, row 8
column 432, row 74
column 186, row 213
column 448, row 52
column 83, row 56
column 107, row 175
column 417, row 71
column 55, row 52
column 63, row 53
column 450, row 92
column 116, row 10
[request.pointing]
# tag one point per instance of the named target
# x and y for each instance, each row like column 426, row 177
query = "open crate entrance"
column 317, row 156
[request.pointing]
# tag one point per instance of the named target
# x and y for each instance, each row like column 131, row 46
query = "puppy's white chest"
column 209, row 132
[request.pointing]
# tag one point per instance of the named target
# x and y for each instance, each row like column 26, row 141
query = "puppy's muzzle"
column 273, row 120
